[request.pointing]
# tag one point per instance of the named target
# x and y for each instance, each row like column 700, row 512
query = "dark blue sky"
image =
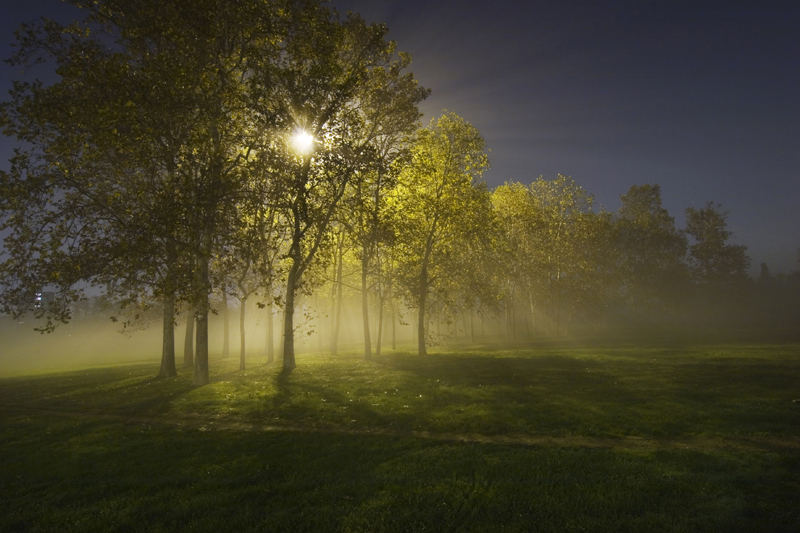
column 702, row 98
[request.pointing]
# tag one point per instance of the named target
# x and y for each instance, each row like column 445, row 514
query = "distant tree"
column 564, row 205
column 714, row 262
column 440, row 205
column 765, row 279
column 651, row 249
column 522, row 225
column 388, row 117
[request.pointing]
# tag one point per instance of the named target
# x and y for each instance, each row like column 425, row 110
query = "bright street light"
column 303, row 142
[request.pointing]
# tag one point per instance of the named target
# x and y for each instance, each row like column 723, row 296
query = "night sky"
column 702, row 98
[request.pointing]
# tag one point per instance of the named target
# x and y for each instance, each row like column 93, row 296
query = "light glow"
column 303, row 142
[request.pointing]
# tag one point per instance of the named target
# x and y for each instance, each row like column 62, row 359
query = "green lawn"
column 615, row 438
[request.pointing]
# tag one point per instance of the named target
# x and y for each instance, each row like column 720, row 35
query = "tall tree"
column 713, row 261
column 388, row 116
column 322, row 79
column 439, row 203
column 651, row 249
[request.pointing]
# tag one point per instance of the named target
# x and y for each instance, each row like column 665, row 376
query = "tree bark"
column 423, row 294
column 394, row 321
column 472, row 325
column 201, row 357
column 338, row 322
column 289, row 363
column 270, row 340
column 242, row 311
column 226, row 329
column 168, row 344
column 188, row 340
column 280, row 340
column 380, row 328
column 365, row 304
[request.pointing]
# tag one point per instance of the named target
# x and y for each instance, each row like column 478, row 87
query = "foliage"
column 713, row 261
column 652, row 250
column 440, row 208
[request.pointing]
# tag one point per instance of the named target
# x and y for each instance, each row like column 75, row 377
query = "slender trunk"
column 365, row 304
column 168, row 346
column 242, row 311
column 513, row 322
column 394, row 325
column 380, row 328
column 226, row 336
column 201, row 357
column 423, row 293
column 508, row 321
column 472, row 325
column 338, row 322
column 333, row 302
column 558, row 304
column 188, row 341
column 168, row 335
column 270, row 341
column 318, row 321
column 527, row 327
column 280, row 340
column 288, row 321
column 437, row 319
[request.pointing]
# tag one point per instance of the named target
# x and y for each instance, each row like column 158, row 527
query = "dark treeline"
column 192, row 158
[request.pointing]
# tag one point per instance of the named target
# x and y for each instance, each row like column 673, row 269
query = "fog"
column 95, row 340
column 92, row 339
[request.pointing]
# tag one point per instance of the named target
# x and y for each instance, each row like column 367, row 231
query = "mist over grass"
column 81, row 343
column 674, row 436
column 95, row 340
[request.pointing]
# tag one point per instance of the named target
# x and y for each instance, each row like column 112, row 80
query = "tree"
column 321, row 83
column 651, row 249
column 714, row 262
column 175, row 103
column 521, row 224
column 389, row 115
column 98, row 185
column 564, row 205
column 439, row 205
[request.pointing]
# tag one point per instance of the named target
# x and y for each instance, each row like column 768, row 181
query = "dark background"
column 702, row 98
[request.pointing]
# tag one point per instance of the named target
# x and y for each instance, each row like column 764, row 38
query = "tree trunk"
column 280, row 340
column 188, row 341
column 380, row 328
column 333, row 303
column 242, row 311
column 201, row 357
column 423, row 294
column 365, row 304
column 472, row 325
column 527, row 327
column 289, row 363
column 338, row 322
column 226, row 335
column 513, row 322
column 270, row 340
column 394, row 322
column 168, row 345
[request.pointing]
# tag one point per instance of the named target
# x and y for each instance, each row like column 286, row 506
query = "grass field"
column 610, row 438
